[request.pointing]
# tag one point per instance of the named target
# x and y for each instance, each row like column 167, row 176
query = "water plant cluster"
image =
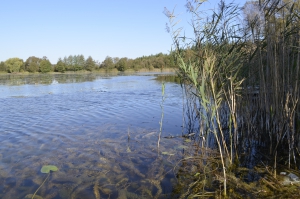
column 240, row 73
column 94, row 165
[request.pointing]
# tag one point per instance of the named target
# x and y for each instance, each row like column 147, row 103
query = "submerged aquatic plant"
column 45, row 169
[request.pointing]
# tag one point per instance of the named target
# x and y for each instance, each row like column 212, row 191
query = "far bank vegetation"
column 80, row 63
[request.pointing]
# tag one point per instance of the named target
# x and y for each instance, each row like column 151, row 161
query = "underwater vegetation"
column 44, row 169
column 95, row 167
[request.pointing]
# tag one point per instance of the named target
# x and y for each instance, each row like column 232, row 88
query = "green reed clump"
column 244, row 77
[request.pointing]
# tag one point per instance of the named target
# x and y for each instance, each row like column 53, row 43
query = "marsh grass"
column 243, row 79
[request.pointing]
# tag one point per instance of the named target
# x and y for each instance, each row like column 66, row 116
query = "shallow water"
column 81, row 123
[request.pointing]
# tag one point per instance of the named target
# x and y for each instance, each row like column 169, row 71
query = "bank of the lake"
column 101, row 71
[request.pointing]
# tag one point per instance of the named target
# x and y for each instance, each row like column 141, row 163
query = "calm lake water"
column 80, row 124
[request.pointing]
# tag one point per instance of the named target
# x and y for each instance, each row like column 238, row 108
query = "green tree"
column 78, row 62
column 65, row 62
column 13, row 64
column 60, row 66
column 90, row 64
column 22, row 68
column 45, row 66
column 32, row 64
column 2, row 67
column 69, row 63
column 130, row 63
column 115, row 60
column 108, row 63
column 122, row 64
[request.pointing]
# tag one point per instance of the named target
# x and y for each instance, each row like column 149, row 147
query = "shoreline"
column 101, row 71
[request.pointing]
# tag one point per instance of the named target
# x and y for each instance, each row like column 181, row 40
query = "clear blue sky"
column 97, row 28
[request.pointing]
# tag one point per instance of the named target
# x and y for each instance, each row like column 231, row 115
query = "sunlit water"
column 100, row 131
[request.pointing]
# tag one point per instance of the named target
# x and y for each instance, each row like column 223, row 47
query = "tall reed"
column 244, row 76
column 274, row 73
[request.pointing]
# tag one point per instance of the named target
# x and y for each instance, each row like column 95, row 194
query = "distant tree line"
column 79, row 63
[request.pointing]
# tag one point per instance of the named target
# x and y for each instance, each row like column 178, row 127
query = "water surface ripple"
column 81, row 125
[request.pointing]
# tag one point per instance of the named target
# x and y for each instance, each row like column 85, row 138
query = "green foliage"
column 45, row 66
column 60, row 66
column 13, row 64
column 90, row 64
column 122, row 64
column 77, row 62
column 3, row 67
column 159, row 61
column 69, row 63
column 45, row 169
column 32, row 64
column 108, row 63
column 48, row 168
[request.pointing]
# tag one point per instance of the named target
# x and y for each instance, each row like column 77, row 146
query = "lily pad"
column 48, row 168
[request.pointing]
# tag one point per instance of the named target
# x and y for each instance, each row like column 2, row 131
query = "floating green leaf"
column 44, row 169
column 187, row 140
column 48, row 168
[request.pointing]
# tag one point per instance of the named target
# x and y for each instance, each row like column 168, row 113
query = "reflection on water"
column 17, row 80
column 83, row 129
column 168, row 78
